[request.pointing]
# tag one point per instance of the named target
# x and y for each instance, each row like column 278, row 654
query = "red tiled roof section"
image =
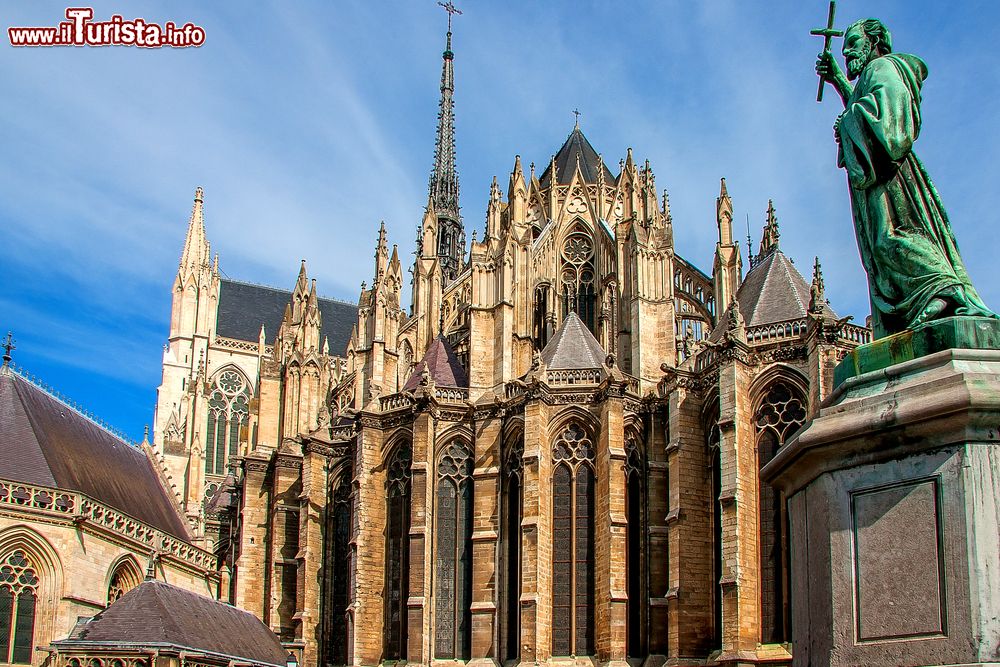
column 442, row 365
column 45, row 442
column 157, row 613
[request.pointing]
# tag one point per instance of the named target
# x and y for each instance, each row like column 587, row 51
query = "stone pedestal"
column 893, row 494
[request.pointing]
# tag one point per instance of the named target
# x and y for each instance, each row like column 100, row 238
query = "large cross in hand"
column 828, row 33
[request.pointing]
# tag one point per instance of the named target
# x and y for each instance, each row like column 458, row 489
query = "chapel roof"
column 244, row 307
column 573, row 347
column 157, row 614
column 442, row 365
column 45, row 442
column 576, row 146
column 772, row 291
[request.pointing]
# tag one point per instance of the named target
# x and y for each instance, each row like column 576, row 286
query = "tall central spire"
column 444, row 175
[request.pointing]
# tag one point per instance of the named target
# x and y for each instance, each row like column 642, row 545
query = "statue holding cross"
column 915, row 272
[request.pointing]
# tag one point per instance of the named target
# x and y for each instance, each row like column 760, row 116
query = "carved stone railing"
column 451, row 394
column 704, row 359
column 394, row 402
column 240, row 345
column 556, row 378
column 856, row 334
column 89, row 658
column 777, row 331
column 513, row 390
column 81, row 508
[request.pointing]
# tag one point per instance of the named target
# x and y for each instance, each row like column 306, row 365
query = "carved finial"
column 769, row 239
column 817, row 290
column 8, row 345
column 576, row 125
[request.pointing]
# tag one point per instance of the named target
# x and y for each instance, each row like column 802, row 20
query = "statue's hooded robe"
column 906, row 243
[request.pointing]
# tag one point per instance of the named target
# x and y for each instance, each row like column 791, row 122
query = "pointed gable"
column 573, row 347
column 576, row 147
column 442, row 365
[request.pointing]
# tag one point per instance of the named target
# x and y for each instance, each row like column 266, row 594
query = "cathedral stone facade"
column 551, row 456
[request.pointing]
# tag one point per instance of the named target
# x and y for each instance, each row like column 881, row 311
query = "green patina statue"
column 915, row 272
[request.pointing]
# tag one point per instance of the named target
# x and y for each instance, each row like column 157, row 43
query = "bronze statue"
column 915, row 272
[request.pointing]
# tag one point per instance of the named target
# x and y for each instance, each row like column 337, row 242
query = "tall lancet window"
column 338, row 582
column 510, row 541
column 713, row 443
column 573, row 492
column 780, row 414
column 228, row 411
column 397, row 550
column 18, row 596
column 635, row 546
column 578, row 279
column 453, row 565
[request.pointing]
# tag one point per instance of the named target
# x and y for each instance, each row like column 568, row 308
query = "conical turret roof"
column 442, row 365
column 576, row 148
column 573, row 347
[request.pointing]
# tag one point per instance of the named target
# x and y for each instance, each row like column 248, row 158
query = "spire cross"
column 576, row 112
column 451, row 9
column 8, row 345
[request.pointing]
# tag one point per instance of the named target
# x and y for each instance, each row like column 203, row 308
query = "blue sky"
column 308, row 122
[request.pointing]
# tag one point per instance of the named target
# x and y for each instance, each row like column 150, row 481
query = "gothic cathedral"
column 551, row 457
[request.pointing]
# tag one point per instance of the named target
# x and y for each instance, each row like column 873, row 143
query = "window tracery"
column 511, row 544
column 18, row 595
column 453, row 637
column 397, row 552
column 573, row 496
column 126, row 577
column 578, row 278
column 782, row 411
column 228, row 411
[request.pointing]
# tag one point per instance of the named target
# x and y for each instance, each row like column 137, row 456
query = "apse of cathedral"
column 551, row 455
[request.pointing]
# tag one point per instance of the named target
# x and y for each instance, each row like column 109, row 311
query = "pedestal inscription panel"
column 897, row 562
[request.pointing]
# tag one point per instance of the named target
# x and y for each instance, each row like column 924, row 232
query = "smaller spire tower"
column 443, row 184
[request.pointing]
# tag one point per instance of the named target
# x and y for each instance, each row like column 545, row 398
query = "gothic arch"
column 404, row 364
column 453, row 519
column 636, row 478
column 574, row 484
column 402, row 436
column 780, row 409
column 511, row 511
column 123, row 575
column 772, row 373
column 228, row 412
column 712, row 435
column 42, row 559
column 398, row 475
column 572, row 413
column 339, row 557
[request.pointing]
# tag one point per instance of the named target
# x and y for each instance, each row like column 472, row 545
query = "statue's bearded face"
column 858, row 51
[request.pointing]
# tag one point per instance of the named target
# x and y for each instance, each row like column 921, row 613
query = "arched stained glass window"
column 635, row 546
column 339, row 575
column 579, row 279
column 780, row 414
column 573, row 494
column 511, row 548
column 397, row 567
column 125, row 577
column 228, row 410
column 453, row 616
column 18, row 596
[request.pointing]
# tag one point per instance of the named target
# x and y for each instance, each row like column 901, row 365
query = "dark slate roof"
column 576, row 144
column 43, row 441
column 573, row 347
column 243, row 307
column 157, row 614
column 773, row 291
column 443, row 366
